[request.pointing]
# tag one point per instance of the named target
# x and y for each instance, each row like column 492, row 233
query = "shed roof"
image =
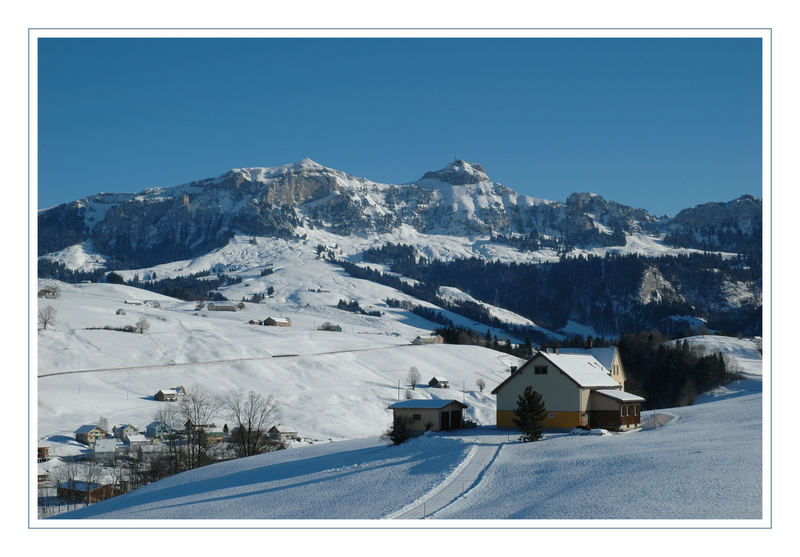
column 621, row 396
column 137, row 438
column 440, row 379
column 426, row 403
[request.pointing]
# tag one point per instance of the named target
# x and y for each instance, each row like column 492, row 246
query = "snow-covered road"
column 465, row 477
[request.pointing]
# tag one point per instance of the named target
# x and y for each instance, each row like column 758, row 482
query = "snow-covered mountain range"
column 162, row 224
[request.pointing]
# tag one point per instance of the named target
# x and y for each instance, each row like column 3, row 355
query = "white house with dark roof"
column 434, row 414
column 577, row 391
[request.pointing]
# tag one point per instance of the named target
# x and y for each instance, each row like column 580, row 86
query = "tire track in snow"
column 466, row 476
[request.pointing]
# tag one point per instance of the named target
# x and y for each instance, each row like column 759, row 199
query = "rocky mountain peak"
column 458, row 173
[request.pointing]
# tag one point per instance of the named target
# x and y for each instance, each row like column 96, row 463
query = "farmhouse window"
column 417, row 416
column 540, row 370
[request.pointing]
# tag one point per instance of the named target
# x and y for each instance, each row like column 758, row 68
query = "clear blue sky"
column 660, row 124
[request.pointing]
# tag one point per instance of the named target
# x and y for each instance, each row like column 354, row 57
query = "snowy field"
column 704, row 462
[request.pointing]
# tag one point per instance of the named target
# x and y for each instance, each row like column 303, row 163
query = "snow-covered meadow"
column 704, row 463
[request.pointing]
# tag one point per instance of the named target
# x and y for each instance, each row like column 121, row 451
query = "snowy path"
column 215, row 362
column 464, row 478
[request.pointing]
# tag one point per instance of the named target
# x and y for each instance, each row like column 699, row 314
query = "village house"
column 135, row 439
column 88, row 434
column 439, row 382
column 158, row 430
column 85, row 492
column 123, row 430
column 42, row 454
column 278, row 322
column 577, row 391
column 212, row 433
column 282, row 433
column 421, row 415
column 105, row 449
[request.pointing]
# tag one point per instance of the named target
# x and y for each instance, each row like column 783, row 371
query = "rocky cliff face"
column 163, row 224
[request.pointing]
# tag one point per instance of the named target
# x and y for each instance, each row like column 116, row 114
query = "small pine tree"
column 529, row 415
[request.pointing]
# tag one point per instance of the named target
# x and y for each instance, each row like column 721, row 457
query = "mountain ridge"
column 159, row 224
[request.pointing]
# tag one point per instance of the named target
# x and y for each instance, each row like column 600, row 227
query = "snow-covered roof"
column 604, row 354
column 137, row 438
column 622, row 396
column 86, row 428
column 584, row 369
column 440, row 379
column 105, row 445
column 426, row 403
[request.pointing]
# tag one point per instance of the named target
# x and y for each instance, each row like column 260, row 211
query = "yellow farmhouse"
column 577, row 390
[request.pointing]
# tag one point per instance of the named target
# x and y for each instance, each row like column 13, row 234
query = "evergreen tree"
column 529, row 415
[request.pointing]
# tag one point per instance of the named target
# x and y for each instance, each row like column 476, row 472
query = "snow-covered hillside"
column 704, row 462
column 328, row 384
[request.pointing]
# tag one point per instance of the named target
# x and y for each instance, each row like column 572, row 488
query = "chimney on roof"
column 555, row 350
column 513, row 369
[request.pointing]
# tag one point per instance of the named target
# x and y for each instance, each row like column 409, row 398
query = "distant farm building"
column 282, row 433
column 439, row 382
column 255, row 322
column 89, row 434
column 121, row 311
column 428, row 340
column 328, row 326
column 222, row 307
column 166, row 395
column 577, row 391
column 134, row 302
column 421, row 415
column 48, row 292
column 278, row 322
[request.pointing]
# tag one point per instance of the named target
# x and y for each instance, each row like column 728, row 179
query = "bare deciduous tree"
column 46, row 316
column 197, row 410
column 414, row 377
column 481, row 383
column 252, row 415
column 142, row 325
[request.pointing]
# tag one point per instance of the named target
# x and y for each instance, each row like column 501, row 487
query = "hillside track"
column 466, row 476
column 216, row 362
